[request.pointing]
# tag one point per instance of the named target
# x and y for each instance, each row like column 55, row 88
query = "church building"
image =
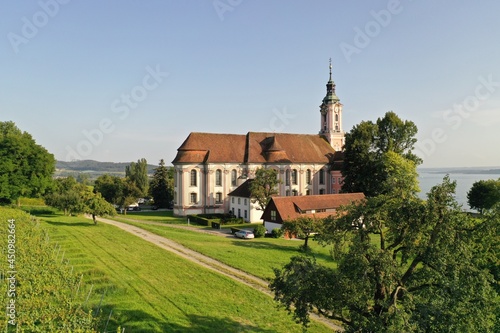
column 209, row 166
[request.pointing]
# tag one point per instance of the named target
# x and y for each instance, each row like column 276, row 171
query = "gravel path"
column 202, row 260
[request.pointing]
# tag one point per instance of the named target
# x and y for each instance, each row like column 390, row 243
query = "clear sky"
column 120, row 80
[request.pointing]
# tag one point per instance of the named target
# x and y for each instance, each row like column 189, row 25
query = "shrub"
column 259, row 231
column 277, row 232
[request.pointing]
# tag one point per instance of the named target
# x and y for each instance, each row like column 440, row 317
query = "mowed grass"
column 149, row 289
column 255, row 256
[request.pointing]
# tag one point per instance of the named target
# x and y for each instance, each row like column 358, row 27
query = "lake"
column 430, row 177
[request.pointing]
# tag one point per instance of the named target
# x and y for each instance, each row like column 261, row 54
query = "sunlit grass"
column 151, row 290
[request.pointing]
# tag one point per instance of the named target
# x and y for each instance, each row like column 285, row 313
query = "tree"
column 364, row 169
column 110, row 187
column 138, row 174
column 484, row 194
column 66, row 195
column 96, row 205
column 404, row 265
column 264, row 186
column 162, row 185
column 302, row 227
column 26, row 168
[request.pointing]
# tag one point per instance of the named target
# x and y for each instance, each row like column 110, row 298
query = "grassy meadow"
column 149, row 289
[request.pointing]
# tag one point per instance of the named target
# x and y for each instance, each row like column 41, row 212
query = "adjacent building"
column 281, row 209
column 210, row 166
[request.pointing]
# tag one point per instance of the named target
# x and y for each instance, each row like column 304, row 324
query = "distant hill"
column 463, row 170
column 93, row 168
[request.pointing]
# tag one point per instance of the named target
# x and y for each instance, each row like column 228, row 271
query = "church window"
column 295, row 193
column 193, row 198
column 308, row 177
column 218, row 197
column 287, row 177
column 294, row 176
column 287, row 193
column 336, row 117
column 233, row 177
column 193, row 177
column 175, row 197
column 322, row 177
column 322, row 191
column 218, row 177
column 308, row 192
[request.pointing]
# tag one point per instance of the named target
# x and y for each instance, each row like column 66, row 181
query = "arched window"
column 294, row 176
column 218, row 177
column 287, row 177
column 193, row 177
column 322, row 176
column 308, row 177
column 234, row 176
column 218, row 197
column 336, row 117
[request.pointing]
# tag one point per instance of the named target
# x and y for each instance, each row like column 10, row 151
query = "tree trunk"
column 93, row 218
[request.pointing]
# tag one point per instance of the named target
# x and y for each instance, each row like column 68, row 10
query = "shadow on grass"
column 264, row 245
column 140, row 321
column 72, row 224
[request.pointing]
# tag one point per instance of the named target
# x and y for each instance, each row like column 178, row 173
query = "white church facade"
column 209, row 166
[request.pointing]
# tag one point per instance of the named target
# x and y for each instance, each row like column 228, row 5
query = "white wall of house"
column 201, row 197
column 272, row 225
column 244, row 208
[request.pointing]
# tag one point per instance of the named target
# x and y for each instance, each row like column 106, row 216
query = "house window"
column 239, row 201
column 340, row 180
column 333, row 191
column 308, row 177
column 218, row 197
column 232, row 200
column 218, row 177
column 294, row 176
column 193, row 177
column 233, row 177
column 287, row 177
column 273, row 215
column 322, row 191
column 333, row 180
column 245, row 213
column 245, row 201
column 322, row 176
column 193, row 198
column 239, row 212
column 295, row 193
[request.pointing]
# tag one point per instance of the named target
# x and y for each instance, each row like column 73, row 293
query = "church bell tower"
column 331, row 116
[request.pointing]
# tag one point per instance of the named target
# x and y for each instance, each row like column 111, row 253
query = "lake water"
column 464, row 181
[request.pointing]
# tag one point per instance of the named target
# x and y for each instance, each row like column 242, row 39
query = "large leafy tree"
column 366, row 144
column 110, row 187
column 264, row 186
column 484, row 194
column 404, row 265
column 26, row 168
column 302, row 227
column 162, row 185
column 138, row 174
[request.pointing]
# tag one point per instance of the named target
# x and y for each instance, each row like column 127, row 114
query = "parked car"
column 244, row 234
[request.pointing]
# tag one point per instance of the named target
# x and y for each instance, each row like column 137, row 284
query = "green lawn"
column 256, row 256
column 151, row 290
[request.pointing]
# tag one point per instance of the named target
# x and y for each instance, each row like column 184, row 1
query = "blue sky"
column 122, row 80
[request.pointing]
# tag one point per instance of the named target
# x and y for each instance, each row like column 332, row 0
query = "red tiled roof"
column 254, row 147
column 289, row 208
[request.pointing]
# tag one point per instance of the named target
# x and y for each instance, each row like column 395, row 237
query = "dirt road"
column 202, row 260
